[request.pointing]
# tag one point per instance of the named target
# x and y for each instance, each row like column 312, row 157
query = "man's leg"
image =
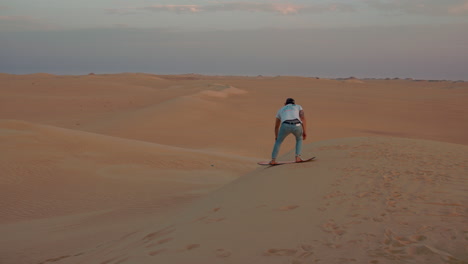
column 298, row 134
column 283, row 132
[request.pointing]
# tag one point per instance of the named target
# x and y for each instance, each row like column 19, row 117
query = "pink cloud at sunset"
column 285, row 9
column 278, row 8
column 425, row 7
column 461, row 9
column 174, row 8
column 428, row 7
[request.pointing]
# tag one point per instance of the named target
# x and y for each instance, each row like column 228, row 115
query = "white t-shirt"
column 289, row 112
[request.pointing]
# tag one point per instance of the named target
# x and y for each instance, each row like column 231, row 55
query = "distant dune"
column 144, row 168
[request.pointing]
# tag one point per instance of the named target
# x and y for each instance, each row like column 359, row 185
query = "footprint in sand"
column 288, row 208
column 332, row 227
column 163, row 232
column 192, row 246
column 200, row 219
column 160, row 242
column 303, row 252
column 214, row 220
column 378, row 219
column 307, row 248
column 417, row 238
column 363, row 194
column 157, row 252
column 121, row 261
column 222, row 253
column 108, row 261
column 304, row 255
column 280, row 252
column 163, row 241
column 307, row 252
column 55, row 259
column 206, row 219
column 116, row 262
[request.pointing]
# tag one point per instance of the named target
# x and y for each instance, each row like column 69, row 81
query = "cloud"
column 337, row 7
column 277, row 8
column 174, row 8
column 460, row 9
column 155, row 8
column 285, row 9
column 425, row 7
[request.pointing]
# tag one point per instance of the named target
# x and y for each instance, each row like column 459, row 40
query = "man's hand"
column 277, row 126
column 304, row 124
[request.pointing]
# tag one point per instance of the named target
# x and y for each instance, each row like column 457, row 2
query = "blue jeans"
column 284, row 131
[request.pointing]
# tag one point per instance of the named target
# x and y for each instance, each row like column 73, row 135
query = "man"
column 292, row 120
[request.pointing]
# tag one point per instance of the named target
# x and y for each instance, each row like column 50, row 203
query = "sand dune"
column 54, row 171
column 186, row 118
column 111, row 104
column 126, row 168
column 365, row 200
column 54, row 177
column 222, row 91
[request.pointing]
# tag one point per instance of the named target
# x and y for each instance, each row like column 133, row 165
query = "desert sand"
column 143, row 168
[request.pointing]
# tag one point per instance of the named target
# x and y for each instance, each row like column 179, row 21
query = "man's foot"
column 298, row 159
column 273, row 162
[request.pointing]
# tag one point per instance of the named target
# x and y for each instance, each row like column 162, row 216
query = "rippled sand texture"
column 141, row 168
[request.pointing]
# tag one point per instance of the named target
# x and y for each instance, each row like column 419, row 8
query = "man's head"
column 289, row 101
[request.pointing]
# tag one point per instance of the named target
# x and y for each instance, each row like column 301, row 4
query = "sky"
column 421, row 39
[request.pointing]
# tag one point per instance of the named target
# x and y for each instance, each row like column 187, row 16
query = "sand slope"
column 365, row 200
column 57, row 183
column 53, row 171
column 98, row 168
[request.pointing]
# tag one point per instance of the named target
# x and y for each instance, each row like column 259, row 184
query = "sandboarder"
column 289, row 119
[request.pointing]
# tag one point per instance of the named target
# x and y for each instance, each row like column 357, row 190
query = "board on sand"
column 284, row 162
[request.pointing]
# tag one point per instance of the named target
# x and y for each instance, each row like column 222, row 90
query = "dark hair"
column 290, row 101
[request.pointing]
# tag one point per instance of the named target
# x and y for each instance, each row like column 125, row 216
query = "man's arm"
column 277, row 126
column 304, row 124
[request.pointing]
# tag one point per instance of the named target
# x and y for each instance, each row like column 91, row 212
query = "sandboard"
column 284, row 162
